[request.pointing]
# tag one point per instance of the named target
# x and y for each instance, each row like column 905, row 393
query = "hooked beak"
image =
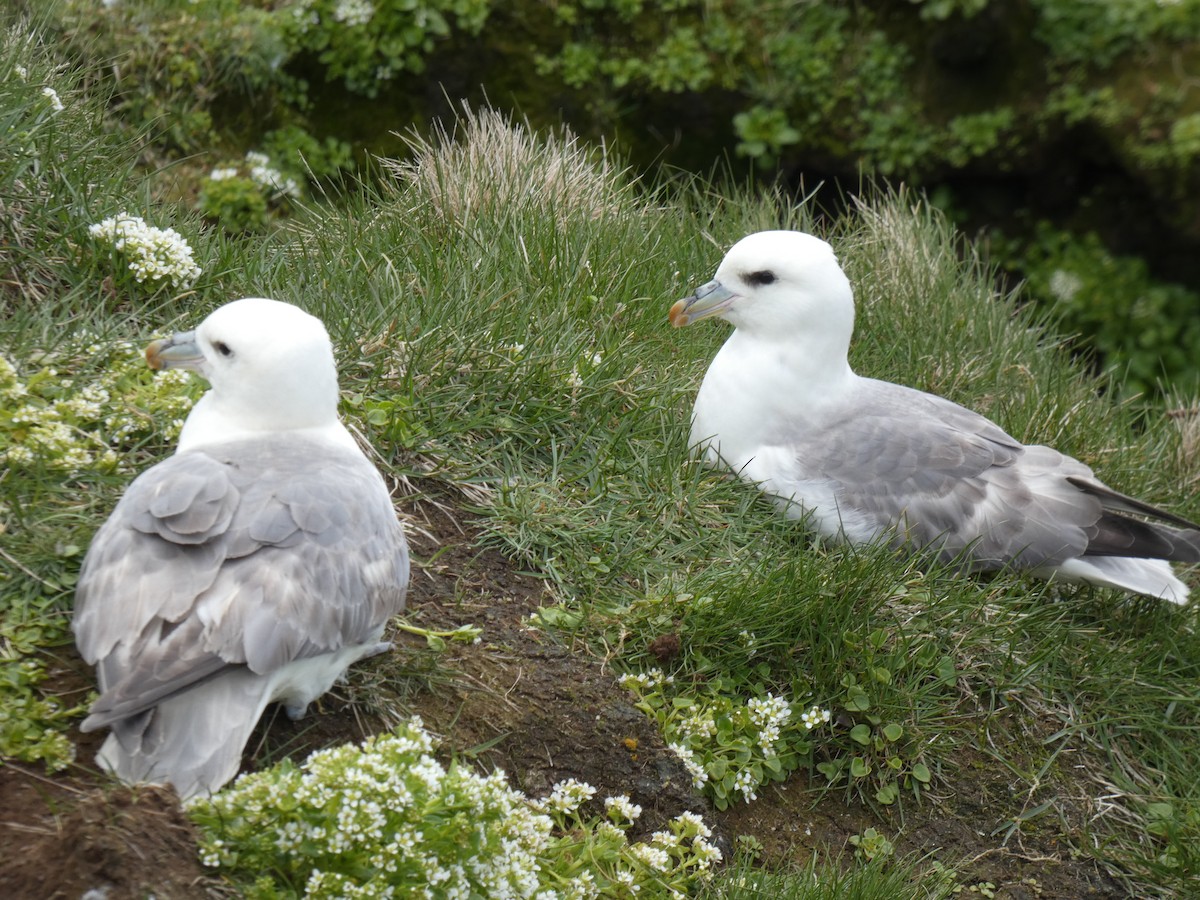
column 710, row 299
column 179, row 351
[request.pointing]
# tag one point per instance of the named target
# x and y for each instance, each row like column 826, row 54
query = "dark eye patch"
column 222, row 348
column 766, row 276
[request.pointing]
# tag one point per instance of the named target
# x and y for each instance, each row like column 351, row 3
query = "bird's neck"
column 753, row 387
column 814, row 370
column 211, row 423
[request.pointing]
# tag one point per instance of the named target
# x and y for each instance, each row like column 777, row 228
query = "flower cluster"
column 586, row 363
column 645, row 681
column 59, row 423
column 353, row 12
column 769, row 715
column 51, row 94
column 387, row 819
column 268, row 177
column 621, row 809
column 156, row 255
column 1065, row 285
column 241, row 195
column 814, row 717
column 688, row 758
column 566, row 797
column 728, row 747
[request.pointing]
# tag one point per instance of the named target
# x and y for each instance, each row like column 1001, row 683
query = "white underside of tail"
column 1152, row 577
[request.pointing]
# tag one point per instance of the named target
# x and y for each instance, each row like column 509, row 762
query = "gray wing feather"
column 940, row 475
column 256, row 553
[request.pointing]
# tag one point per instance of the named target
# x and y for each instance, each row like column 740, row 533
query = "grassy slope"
column 468, row 305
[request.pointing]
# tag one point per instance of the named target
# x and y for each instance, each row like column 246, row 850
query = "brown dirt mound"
column 106, row 844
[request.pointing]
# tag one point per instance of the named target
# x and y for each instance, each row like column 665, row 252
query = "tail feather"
column 1157, row 534
column 193, row 740
column 1118, row 535
column 1115, row 500
column 1152, row 577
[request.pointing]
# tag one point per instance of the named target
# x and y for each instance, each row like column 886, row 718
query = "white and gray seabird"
column 253, row 565
column 863, row 460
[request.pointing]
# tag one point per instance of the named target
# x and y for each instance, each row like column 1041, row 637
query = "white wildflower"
column 646, row 680
column 52, row 95
column 223, row 174
column 744, row 783
column 769, row 714
column 620, row 807
column 154, row 254
column 567, row 796
column 1065, row 285
column 627, row 880
column 354, row 12
column 654, row 857
column 697, row 771
column 607, row 831
column 693, row 824
column 706, row 852
column 266, row 176
column 814, row 717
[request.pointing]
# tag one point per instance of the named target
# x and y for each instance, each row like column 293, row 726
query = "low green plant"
column 871, row 845
column 298, row 151
column 237, row 203
column 366, row 821
column 881, row 751
column 62, row 431
column 243, row 195
column 1143, row 328
column 730, row 746
column 366, row 44
column 33, row 726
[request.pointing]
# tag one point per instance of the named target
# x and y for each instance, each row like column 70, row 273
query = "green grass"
column 505, row 332
column 821, row 879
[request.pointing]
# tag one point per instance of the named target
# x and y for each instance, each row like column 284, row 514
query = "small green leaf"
column 857, row 699
column 946, row 671
column 888, row 794
column 831, row 770
column 434, row 642
column 921, row 772
column 859, row 767
column 861, row 733
column 893, row 732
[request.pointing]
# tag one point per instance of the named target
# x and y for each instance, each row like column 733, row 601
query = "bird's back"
column 225, row 575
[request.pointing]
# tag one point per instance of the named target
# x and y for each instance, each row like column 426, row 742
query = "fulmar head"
column 270, row 365
column 777, row 285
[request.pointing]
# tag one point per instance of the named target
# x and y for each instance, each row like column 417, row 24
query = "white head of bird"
column 776, row 285
column 270, row 366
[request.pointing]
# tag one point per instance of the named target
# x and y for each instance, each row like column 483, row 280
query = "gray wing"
column 255, row 553
column 943, row 476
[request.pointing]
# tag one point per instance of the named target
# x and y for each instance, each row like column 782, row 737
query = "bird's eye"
column 759, row 278
column 222, row 348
